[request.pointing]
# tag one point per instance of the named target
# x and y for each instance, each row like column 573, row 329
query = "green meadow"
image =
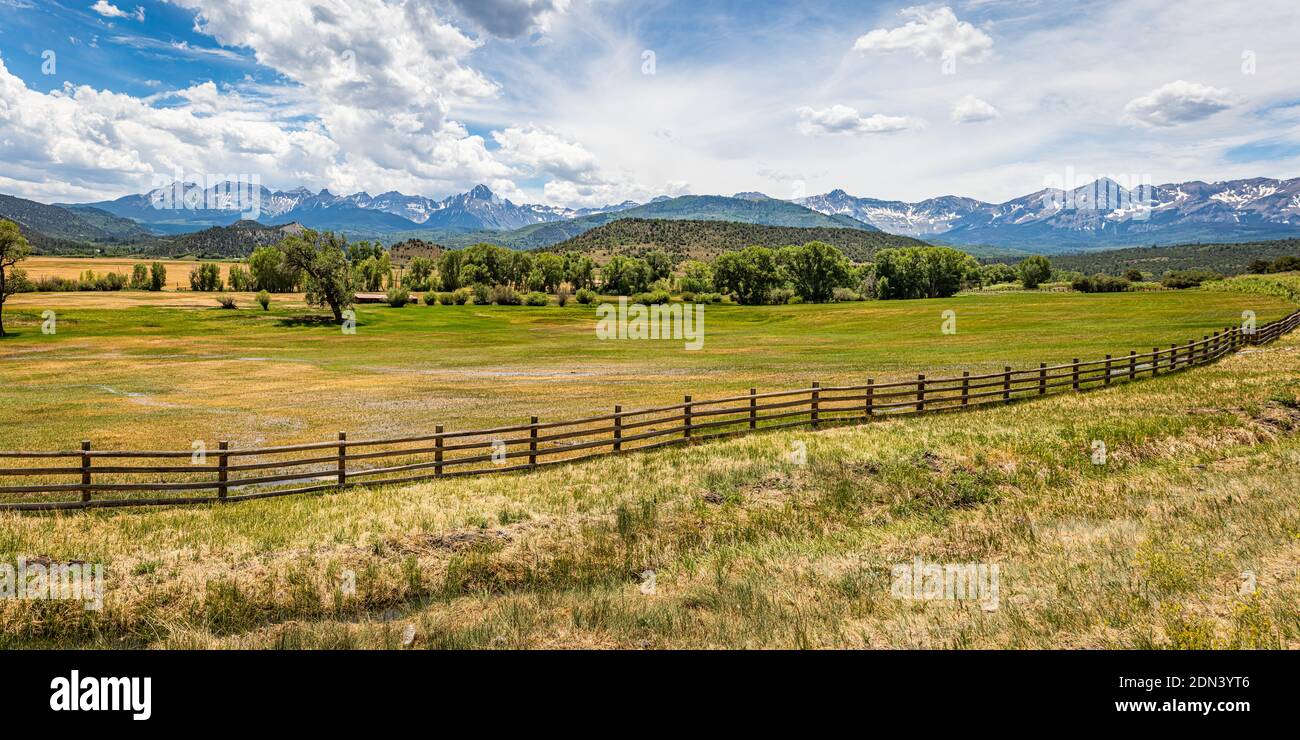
column 1183, row 534
column 139, row 370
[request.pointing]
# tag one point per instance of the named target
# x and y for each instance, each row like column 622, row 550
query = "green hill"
column 1225, row 259
column 706, row 239
column 222, row 242
column 59, row 230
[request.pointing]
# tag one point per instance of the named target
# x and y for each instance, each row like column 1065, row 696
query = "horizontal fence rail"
column 88, row 478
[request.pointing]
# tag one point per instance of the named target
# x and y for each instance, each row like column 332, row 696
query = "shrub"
column 1189, row 278
column 845, row 294
column 562, row 297
column 205, row 277
column 460, row 296
column 397, row 297
column 711, row 298
column 504, row 295
column 651, row 298
column 227, row 301
column 1133, row 275
column 430, row 298
column 482, row 296
column 1100, row 284
column 108, row 281
column 111, row 281
column 537, row 299
column 780, row 296
column 585, row 296
column 52, row 284
column 688, row 296
column 264, row 300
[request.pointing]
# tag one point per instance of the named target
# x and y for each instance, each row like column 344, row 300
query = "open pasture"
column 136, row 370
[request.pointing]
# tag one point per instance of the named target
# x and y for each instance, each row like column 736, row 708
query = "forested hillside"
column 707, row 239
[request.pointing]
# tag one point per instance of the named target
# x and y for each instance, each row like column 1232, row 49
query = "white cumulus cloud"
column 543, row 152
column 971, row 109
column 1179, row 102
column 841, row 119
column 109, row 10
column 511, row 18
column 932, row 33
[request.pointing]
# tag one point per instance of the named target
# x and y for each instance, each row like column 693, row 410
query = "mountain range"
column 224, row 203
column 1100, row 215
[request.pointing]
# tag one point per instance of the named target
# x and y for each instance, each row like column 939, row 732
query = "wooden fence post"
column 343, row 459
column 871, row 397
column 1155, row 361
column 753, row 408
column 618, row 428
column 1042, row 378
column 222, row 473
column 1132, row 364
column 85, row 470
column 437, row 451
column 920, row 393
column 1076, row 374
column 1006, row 383
column 1107, row 370
column 816, row 402
column 965, row 387
column 1205, row 349
column 686, row 421
column 532, row 442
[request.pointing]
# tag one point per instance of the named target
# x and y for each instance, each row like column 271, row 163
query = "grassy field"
column 142, row 370
column 1188, row 536
column 178, row 271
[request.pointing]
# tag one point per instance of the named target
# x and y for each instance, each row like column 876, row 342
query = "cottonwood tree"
column 750, row 274
column 322, row 257
column 579, row 270
column 13, row 248
column 815, row 270
column 1034, row 271
column 922, row 272
column 270, row 273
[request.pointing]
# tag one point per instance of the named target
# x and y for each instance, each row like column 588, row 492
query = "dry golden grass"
column 750, row 548
column 178, row 271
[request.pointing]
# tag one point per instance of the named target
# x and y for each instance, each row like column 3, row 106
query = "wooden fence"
column 228, row 474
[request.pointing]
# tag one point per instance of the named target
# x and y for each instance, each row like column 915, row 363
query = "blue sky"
column 583, row 102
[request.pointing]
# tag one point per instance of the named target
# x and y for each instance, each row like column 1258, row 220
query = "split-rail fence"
column 88, row 478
